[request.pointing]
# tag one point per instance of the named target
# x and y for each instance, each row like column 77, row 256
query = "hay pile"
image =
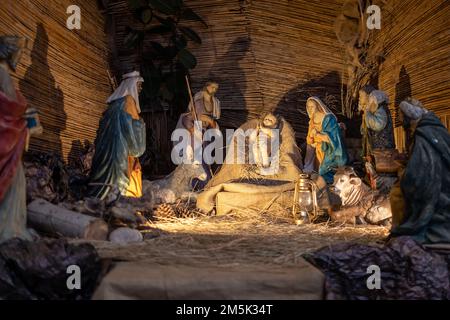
column 236, row 239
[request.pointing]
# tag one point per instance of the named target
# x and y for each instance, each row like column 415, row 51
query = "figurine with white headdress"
column 325, row 145
column 120, row 141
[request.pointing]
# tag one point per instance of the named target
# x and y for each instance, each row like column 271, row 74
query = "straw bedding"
column 245, row 238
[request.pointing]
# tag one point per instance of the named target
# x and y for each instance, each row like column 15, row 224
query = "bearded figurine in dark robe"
column 121, row 139
column 14, row 134
column 422, row 210
column 377, row 130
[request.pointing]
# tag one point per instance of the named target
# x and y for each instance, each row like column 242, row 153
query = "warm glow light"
column 134, row 189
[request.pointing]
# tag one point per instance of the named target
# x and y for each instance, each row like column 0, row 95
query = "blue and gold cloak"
column 121, row 139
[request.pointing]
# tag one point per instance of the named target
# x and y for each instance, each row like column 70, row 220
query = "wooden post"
column 46, row 217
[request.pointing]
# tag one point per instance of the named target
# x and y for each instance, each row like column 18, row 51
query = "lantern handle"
column 296, row 196
column 314, row 189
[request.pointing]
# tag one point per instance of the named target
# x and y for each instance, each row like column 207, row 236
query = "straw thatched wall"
column 415, row 42
column 272, row 55
column 63, row 73
column 266, row 55
column 293, row 49
column 290, row 53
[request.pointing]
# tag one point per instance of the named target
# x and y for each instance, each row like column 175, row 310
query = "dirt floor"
column 235, row 240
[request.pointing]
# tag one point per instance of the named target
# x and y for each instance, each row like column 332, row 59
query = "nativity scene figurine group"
column 415, row 185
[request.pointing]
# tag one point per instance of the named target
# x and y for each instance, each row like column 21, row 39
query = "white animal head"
column 349, row 186
column 195, row 170
column 201, row 171
column 193, row 166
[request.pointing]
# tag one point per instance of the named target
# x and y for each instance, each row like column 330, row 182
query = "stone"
column 125, row 235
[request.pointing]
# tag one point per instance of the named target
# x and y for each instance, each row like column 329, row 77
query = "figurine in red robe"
column 13, row 139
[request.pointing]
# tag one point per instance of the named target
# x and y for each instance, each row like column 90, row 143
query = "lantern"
column 305, row 207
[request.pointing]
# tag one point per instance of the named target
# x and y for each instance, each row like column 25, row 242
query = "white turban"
column 378, row 97
column 128, row 86
column 413, row 109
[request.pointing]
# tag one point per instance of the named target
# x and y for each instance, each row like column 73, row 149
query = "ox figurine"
column 178, row 184
column 359, row 202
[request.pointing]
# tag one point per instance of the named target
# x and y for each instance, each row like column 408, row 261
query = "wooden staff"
column 194, row 112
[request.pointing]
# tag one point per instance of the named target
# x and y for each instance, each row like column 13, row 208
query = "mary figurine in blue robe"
column 120, row 141
column 325, row 145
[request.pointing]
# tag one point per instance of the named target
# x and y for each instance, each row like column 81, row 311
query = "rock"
column 125, row 235
column 90, row 206
column 94, row 206
column 112, row 196
column 380, row 212
column 34, row 234
column 123, row 214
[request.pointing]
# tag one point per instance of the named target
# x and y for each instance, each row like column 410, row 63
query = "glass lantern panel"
column 305, row 201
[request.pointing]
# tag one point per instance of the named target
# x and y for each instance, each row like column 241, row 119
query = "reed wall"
column 63, row 72
column 415, row 43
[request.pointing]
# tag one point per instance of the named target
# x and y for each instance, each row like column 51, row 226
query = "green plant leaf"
column 180, row 81
column 168, row 22
column 191, row 34
column 146, row 15
column 161, row 29
column 189, row 14
column 179, row 41
column 171, row 80
column 152, row 81
column 158, row 48
column 187, row 59
column 172, row 52
column 166, row 93
column 181, row 70
column 178, row 3
column 164, row 6
column 177, row 83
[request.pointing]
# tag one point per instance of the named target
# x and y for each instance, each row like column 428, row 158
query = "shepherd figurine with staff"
column 204, row 107
column 202, row 114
